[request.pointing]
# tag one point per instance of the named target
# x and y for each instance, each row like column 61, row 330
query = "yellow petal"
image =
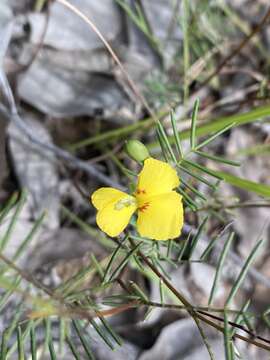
column 156, row 177
column 115, row 209
column 105, row 195
column 115, row 216
column 161, row 217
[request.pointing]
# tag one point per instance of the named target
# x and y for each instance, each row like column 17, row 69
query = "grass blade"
column 214, row 136
column 188, row 200
column 163, row 147
column 20, row 344
column 11, row 202
column 266, row 320
column 138, row 291
column 176, row 136
column 29, row 237
column 257, row 114
column 203, row 169
column 193, row 123
column 196, row 238
column 124, row 261
column 161, row 291
column 112, row 333
column 169, row 248
column 220, row 264
column 183, row 249
column 195, row 191
column 97, row 266
column 196, row 176
column 25, row 335
column 73, row 348
column 243, row 272
column 14, row 322
column 79, row 330
column 76, row 220
column 165, row 140
column 114, row 254
column 12, row 224
column 227, row 338
column 260, row 189
column 48, row 331
column 212, row 243
column 4, row 345
column 239, row 316
column 51, row 350
column 9, row 293
column 186, row 48
column 33, row 342
column 75, row 281
column 102, row 334
column 218, row 159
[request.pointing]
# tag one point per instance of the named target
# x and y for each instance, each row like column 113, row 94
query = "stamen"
column 126, row 202
column 144, row 207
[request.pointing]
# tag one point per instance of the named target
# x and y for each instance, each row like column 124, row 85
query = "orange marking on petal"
column 144, row 207
column 140, row 191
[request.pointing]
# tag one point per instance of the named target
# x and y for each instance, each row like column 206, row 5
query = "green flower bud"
column 136, row 150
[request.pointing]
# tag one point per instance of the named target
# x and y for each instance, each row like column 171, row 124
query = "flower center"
column 126, row 202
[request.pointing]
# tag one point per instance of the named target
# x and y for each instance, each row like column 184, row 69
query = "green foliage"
column 138, row 17
column 72, row 306
column 71, row 299
column 220, row 264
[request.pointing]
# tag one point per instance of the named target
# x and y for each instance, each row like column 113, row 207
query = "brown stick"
column 198, row 314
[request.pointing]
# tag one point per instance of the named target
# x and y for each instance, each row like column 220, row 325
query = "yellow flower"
column 160, row 209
